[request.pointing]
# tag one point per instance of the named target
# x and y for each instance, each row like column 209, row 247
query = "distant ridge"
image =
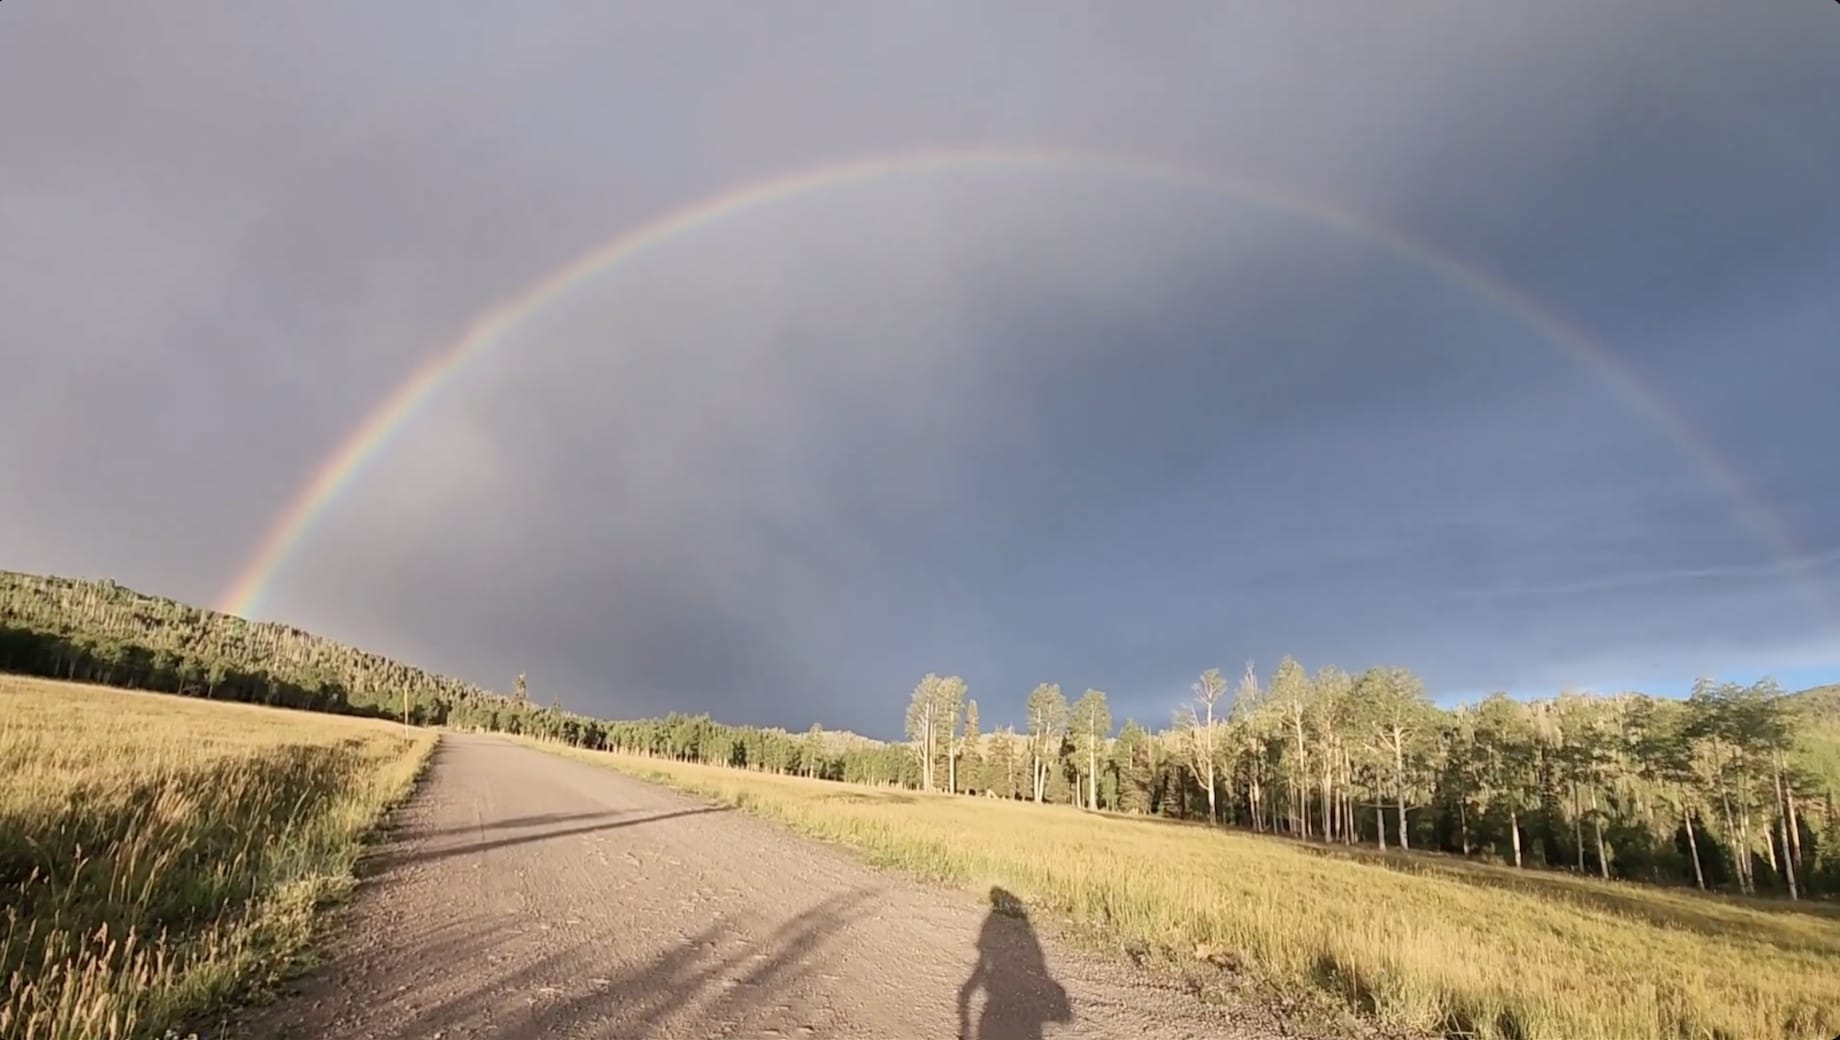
column 102, row 631
column 1819, row 702
column 97, row 630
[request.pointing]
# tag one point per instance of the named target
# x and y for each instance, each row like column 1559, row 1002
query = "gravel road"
column 528, row 895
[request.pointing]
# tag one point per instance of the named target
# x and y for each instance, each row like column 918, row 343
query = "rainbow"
column 373, row 434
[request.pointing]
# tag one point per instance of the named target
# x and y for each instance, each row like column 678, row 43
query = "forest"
column 102, row 632
column 1733, row 788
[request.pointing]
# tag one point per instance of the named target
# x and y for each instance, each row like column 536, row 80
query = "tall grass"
column 159, row 855
column 1420, row 942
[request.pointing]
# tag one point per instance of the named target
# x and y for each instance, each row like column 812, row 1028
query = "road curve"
column 528, row 895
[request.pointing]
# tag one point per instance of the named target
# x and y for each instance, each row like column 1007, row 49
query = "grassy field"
column 1425, row 943
column 159, row 854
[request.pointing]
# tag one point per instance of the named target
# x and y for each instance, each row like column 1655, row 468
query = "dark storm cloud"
column 1023, row 426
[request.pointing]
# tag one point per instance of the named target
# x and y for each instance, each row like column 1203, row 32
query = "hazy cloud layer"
column 1022, row 423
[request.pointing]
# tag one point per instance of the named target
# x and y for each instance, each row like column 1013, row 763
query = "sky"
column 1496, row 344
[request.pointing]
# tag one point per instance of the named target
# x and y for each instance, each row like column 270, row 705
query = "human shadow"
column 1020, row 995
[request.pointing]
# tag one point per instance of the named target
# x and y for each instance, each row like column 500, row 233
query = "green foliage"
column 1047, row 720
column 98, row 631
column 1089, row 729
column 932, row 721
column 1133, row 770
column 971, row 752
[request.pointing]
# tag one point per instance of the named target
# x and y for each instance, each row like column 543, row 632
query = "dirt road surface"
column 527, row 895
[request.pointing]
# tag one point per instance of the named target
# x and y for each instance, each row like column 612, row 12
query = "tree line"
column 1733, row 788
column 102, row 632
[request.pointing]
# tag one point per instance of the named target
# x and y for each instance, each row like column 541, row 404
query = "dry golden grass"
column 159, row 854
column 1425, row 943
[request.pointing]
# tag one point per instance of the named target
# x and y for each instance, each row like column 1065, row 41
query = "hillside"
column 103, row 632
column 1817, row 748
column 1819, row 703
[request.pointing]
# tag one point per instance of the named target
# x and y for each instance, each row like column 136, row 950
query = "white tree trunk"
column 1699, row 873
column 1092, row 773
column 1514, row 825
column 1399, row 786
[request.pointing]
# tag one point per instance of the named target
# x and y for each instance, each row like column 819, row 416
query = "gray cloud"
column 1018, row 424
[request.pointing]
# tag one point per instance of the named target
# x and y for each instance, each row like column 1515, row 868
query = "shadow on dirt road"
column 543, row 834
column 1020, row 994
